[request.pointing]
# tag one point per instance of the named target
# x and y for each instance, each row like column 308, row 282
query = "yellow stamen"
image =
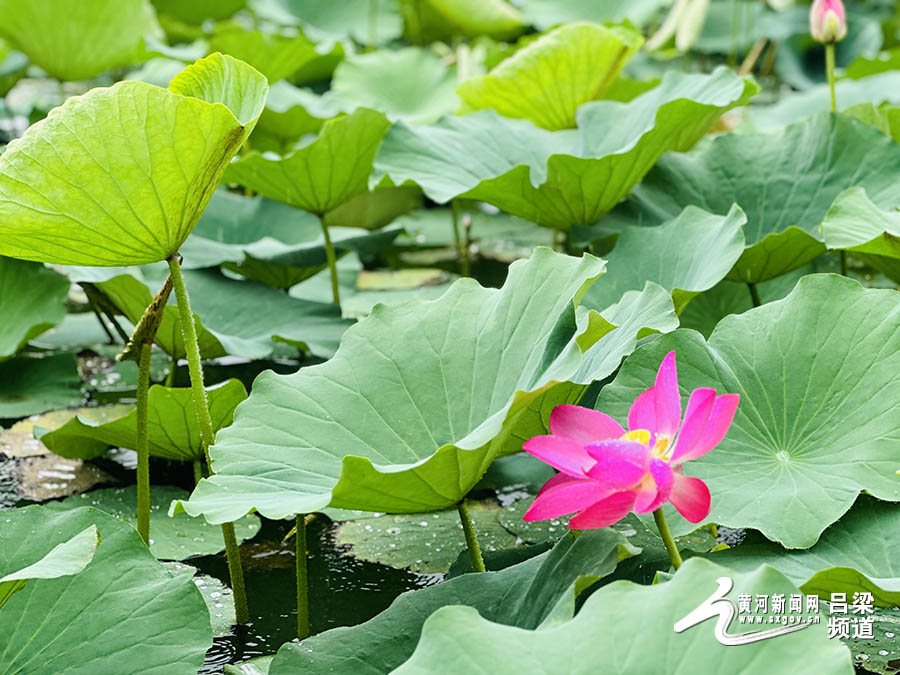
column 641, row 436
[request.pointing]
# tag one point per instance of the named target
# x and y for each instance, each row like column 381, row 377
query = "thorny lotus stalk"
column 207, row 436
column 302, row 578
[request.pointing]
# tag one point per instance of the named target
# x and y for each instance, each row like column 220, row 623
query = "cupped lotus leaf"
column 50, row 560
column 687, row 255
column 808, row 435
column 562, row 178
column 343, row 19
column 538, row 592
column 120, row 175
column 76, row 41
column 273, row 54
column 626, row 627
column 545, row 14
column 376, row 432
column 170, row 538
column 32, row 300
column 785, row 183
column 322, row 175
column 411, row 84
column 196, row 12
column 547, row 81
column 858, row 554
column 123, row 593
column 31, row 385
column 172, row 428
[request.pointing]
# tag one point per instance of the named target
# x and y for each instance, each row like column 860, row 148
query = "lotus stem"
column 207, row 436
column 754, row 294
column 198, row 470
column 829, row 71
column 475, row 558
column 109, row 335
column 170, row 376
column 457, row 239
column 844, row 263
column 467, row 244
column 332, row 263
column 666, row 535
column 143, row 450
column 302, row 578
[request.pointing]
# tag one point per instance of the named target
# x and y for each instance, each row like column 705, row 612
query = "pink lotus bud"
column 828, row 21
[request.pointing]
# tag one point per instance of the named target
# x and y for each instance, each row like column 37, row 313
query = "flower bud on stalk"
column 828, row 21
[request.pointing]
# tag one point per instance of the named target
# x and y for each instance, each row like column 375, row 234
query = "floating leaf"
column 379, row 435
column 878, row 654
column 63, row 559
column 563, row 178
column 686, row 256
column 808, row 435
column 19, row 439
column 174, row 538
column 120, row 175
column 322, row 175
column 218, row 597
column 70, row 41
column 546, row 81
column 30, row 385
column 32, row 300
column 626, row 627
column 785, row 184
column 124, row 592
column 172, row 428
column 537, row 592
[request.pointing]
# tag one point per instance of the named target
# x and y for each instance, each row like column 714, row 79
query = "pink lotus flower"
column 606, row 472
column 828, row 21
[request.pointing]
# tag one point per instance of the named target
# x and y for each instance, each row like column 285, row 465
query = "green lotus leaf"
column 290, row 114
column 880, row 652
column 626, row 627
column 855, row 555
column 539, row 592
column 170, row 538
column 322, row 175
column 32, row 300
column 258, row 665
column 240, row 318
column 563, row 178
column 31, row 385
column 355, row 19
column 785, row 183
column 172, row 428
column 13, row 64
column 886, row 118
column 69, row 42
column 198, row 11
column 218, row 598
column 411, row 84
column 276, row 55
column 281, row 246
column 120, row 175
column 686, row 256
column 51, row 561
column 545, row 14
column 546, row 81
column 433, row 20
column 122, row 593
column 379, row 435
column 808, row 435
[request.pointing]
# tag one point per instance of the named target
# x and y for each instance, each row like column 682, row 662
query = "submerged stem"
column 142, row 448
column 207, row 435
column 332, row 263
column 302, row 579
column 666, row 535
column 475, row 558
column 829, row 71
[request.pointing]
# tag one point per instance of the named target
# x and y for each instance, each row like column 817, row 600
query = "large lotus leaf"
column 377, row 434
column 545, row 14
column 563, row 178
column 290, row 114
column 120, row 175
column 32, row 300
column 13, row 64
column 539, row 591
column 879, row 653
column 410, row 84
column 471, row 18
column 808, row 435
column 546, row 81
column 686, row 256
column 626, row 627
column 71, row 41
column 274, row 54
column 170, row 538
column 197, row 11
column 172, row 428
column 324, row 174
column 859, row 553
column 240, row 318
column 123, row 612
column 886, row 118
column 854, row 223
column 342, row 19
column 30, row 385
column 785, row 183
column 49, row 560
